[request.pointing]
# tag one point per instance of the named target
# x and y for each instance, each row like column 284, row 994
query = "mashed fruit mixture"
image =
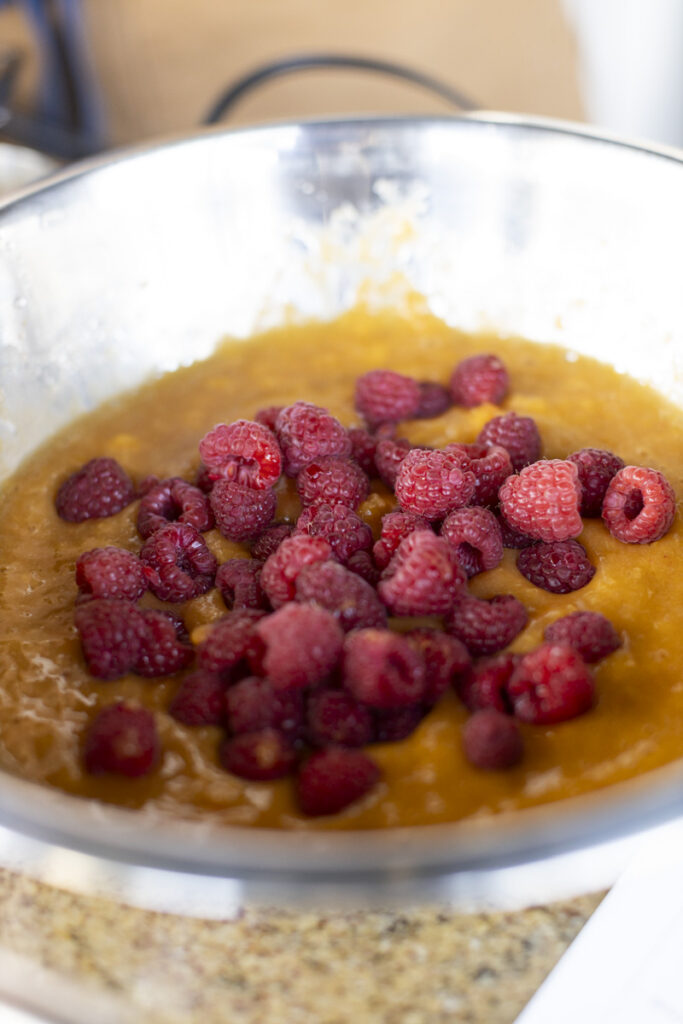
column 361, row 574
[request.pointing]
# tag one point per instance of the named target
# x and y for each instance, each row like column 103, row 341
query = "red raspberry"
column 589, row 633
column 344, row 531
column 335, row 719
column 122, row 740
column 383, row 396
column 243, row 452
column 596, row 468
column 231, row 643
column 492, row 740
column 394, row 724
column 110, row 572
column 362, row 565
column 389, row 455
column 172, row 501
column 512, row 538
column 444, row 656
column 268, row 416
column 363, row 446
column 517, row 434
column 484, row 685
column 334, row 778
column 239, row 581
column 491, row 467
column 479, row 379
column 258, row 756
column 254, row 704
column 270, row 540
column 161, row 651
column 280, row 571
column 242, row 513
column 435, row 399
column 177, row 563
column 333, row 480
column 306, row 432
column 639, row 505
column 303, row 645
column 432, row 483
column 560, row 568
column 544, row 500
column 111, row 636
column 396, row 526
column 200, row 699
column 383, row 669
column 351, row 600
column 98, row 489
column 423, row 578
column 550, row 685
column 474, row 535
column 147, row 484
column 487, row 626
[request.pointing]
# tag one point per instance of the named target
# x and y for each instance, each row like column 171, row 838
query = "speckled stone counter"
column 421, row 966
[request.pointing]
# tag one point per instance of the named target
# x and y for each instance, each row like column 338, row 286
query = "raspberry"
column 432, row 484
column 444, row 657
column 171, row 501
column 177, row 563
column 383, row 396
column 484, row 685
column 435, row 399
column 267, row 417
column 303, row 645
column 336, row 719
column 258, row 756
column 487, row 626
column 344, row 531
column 389, row 455
column 363, row 446
column 474, row 535
column 596, row 468
column 517, row 434
column 512, row 538
column 204, row 481
column 351, row 600
column 161, row 651
column 491, row 467
column 111, row 572
column 423, row 578
column 254, row 704
column 396, row 526
column 334, row 778
column 242, row 513
column 362, row 565
column 543, row 501
column 479, row 379
column 382, row 669
column 550, row 685
column 231, row 642
column 560, row 568
column 333, row 480
column 244, row 452
column 122, row 740
column 589, row 633
column 306, row 432
column 111, row 634
column 147, row 484
column 269, row 541
column 639, row 505
column 492, row 740
column 98, row 489
column 239, row 581
column 200, row 699
column 280, row 571
column 394, row 724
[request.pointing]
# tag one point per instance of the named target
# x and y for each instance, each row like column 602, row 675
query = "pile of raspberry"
column 318, row 656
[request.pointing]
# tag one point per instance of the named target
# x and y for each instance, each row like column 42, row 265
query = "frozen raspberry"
column 303, row 644
column 333, row 480
column 268, row 416
column 383, row 396
column 639, row 505
column 389, row 455
column 560, row 568
column 362, row 565
column 550, row 685
column 242, row 513
column 204, row 481
column 122, row 740
column 383, row 669
column 396, row 526
column 161, row 651
column 100, row 488
column 491, row 467
column 474, row 535
column 394, row 724
column 254, row 704
column 351, row 600
column 435, row 399
column 484, row 685
column 363, row 446
column 445, row 657
column 269, row 541
column 147, row 484
column 239, row 581
column 231, row 643
column 423, row 578
column 111, row 635
column 596, row 468
column 280, row 571
column 258, row 756
column 512, row 538
column 492, row 740
column 334, row 778
column 517, row 434
column 589, row 633
column 172, row 501
column 344, row 531
column 543, row 501
column 200, row 699
column 110, row 572
column 479, row 379
column 243, row 452
column 335, row 719
column 432, row 484
column 306, row 432
column 487, row 626
column 177, row 563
